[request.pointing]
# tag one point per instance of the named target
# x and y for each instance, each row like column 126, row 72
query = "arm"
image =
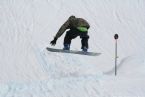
column 62, row 29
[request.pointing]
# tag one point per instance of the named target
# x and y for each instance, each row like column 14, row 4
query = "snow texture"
column 27, row 69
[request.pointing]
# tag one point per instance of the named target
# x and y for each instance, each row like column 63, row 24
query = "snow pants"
column 73, row 33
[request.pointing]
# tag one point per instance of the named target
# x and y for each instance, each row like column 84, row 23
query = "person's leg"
column 71, row 34
column 84, row 36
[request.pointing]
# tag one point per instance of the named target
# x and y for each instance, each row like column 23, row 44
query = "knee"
column 85, row 37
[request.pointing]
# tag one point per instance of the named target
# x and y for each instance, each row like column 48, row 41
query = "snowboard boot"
column 66, row 47
column 84, row 49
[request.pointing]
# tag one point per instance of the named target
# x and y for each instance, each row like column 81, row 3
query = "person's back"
column 79, row 22
column 78, row 27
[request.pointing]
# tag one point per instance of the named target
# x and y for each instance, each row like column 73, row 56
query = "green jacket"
column 73, row 22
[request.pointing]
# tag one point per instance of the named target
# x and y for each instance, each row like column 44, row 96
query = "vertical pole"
column 115, row 57
column 116, row 37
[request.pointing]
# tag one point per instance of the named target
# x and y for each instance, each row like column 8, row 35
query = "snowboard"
column 73, row 52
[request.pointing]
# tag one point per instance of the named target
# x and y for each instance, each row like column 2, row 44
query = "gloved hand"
column 53, row 42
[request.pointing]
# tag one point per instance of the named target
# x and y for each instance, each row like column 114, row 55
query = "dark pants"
column 73, row 33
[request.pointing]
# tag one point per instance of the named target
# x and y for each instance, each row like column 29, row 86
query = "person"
column 77, row 27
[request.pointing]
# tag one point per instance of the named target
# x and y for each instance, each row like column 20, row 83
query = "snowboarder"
column 77, row 27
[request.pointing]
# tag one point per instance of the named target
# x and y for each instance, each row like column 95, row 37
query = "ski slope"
column 29, row 70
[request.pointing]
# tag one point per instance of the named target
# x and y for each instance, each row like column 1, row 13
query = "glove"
column 53, row 42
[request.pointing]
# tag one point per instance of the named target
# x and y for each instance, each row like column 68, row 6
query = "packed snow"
column 27, row 69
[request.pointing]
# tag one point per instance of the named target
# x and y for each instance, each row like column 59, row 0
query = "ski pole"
column 116, row 37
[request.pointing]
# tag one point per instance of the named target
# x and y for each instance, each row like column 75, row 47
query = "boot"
column 84, row 49
column 66, row 47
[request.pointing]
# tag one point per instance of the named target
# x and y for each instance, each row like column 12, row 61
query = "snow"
column 29, row 70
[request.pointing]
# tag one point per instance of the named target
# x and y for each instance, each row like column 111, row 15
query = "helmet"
column 72, row 17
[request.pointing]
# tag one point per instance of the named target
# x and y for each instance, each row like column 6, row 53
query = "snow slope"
column 28, row 69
